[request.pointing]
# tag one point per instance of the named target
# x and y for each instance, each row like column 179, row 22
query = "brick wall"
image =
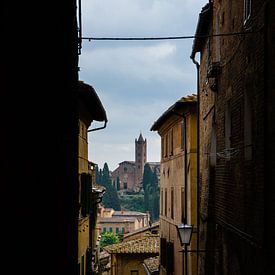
column 232, row 190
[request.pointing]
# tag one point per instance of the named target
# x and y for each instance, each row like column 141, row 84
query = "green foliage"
column 110, row 197
column 108, row 238
column 151, row 192
column 132, row 202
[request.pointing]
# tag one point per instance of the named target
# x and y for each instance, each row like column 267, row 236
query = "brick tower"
column 140, row 158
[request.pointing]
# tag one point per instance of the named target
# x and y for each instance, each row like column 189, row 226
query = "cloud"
column 136, row 80
column 145, row 63
column 139, row 17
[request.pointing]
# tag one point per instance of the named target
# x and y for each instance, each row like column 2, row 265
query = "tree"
column 151, row 192
column 110, row 198
column 108, row 238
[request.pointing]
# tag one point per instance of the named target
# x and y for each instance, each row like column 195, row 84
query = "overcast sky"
column 136, row 80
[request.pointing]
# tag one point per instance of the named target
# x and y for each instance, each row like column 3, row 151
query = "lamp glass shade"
column 185, row 233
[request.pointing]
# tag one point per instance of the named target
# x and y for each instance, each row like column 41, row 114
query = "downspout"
column 99, row 128
column 198, row 153
column 185, row 192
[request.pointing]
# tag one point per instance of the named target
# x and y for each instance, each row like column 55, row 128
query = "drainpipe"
column 198, row 152
column 99, row 128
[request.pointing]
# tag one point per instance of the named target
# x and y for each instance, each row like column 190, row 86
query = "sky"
column 136, row 81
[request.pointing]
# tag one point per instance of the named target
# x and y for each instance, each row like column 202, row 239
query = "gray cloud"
column 136, row 80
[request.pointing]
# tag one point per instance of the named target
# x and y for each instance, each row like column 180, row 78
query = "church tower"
column 140, row 158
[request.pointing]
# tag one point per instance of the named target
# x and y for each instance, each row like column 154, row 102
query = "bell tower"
column 140, row 158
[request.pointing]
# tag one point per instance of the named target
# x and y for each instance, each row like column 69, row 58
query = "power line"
column 169, row 37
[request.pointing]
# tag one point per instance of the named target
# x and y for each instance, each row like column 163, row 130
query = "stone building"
column 177, row 128
column 121, row 222
column 129, row 174
column 235, row 40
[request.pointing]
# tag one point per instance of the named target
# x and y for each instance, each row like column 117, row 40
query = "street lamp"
column 185, row 233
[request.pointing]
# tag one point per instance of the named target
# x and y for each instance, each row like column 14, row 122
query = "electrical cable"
column 169, row 37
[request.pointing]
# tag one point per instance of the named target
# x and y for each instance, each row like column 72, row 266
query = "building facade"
column 177, row 128
column 128, row 257
column 90, row 109
column 128, row 175
column 121, row 222
column 234, row 41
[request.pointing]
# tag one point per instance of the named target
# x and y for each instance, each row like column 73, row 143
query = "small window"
column 117, row 230
column 227, row 124
column 161, row 202
column 182, row 205
column 162, row 147
column 172, row 203
column 110, row 229
column 134, row 272
column 104, row 229
column 166, row 146
column 125, row 169
column 165, row 203
column 183, row 135
column 125, row 185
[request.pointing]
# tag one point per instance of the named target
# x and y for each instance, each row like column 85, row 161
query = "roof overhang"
column 175, row 109
column 202, row 29
column 90, row 105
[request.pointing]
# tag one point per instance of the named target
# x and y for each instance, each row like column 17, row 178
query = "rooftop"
column 148, row 244
column 152, row 264
column 174, row 109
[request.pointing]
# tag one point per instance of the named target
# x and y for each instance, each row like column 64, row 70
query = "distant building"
column 129, row 174
column 118, row 222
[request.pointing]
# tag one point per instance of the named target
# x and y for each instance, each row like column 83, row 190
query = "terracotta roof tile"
column 152, row 263
column 146, row 244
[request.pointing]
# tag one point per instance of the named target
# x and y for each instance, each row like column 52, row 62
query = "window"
column 82, row 265
column 247, row 10
column 110, row 229
column 134, row 272
column 171, row 144
column 163, row 251
column 182, row 205
column 170, row 259
column 166, row 146
column 172, row 203
column 125, row 185
column 125, row 169
column 247, row 127
column 183, row 135
column 161, row 202
column 122, row 230
column 165, row 203
column 104, row 229
column 117, row 230
column 227, row 124
column 162, row 147
column 213, row 146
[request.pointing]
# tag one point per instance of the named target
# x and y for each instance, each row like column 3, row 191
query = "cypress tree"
column 110, row 198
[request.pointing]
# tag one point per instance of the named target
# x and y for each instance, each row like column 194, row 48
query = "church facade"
column 129, row 174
